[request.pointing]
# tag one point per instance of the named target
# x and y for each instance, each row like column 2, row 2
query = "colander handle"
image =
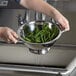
column 62, row 31
column 65, row 30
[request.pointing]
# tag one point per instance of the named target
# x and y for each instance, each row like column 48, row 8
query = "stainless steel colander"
column 39, row 48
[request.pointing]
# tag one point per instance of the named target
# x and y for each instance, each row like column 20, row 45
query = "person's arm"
column 43, row 7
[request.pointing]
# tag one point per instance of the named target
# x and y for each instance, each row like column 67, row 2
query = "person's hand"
column 64, row 24
column 8, row 35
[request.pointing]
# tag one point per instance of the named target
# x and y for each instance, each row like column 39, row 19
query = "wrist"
column 56, row 14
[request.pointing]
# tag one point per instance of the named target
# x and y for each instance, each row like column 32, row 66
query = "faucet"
column 25, row 19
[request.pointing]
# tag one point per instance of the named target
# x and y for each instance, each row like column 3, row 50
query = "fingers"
column 12, row 36
column 67, row 27
column 64, row 24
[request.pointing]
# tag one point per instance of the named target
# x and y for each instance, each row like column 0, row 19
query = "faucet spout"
column 20, row 20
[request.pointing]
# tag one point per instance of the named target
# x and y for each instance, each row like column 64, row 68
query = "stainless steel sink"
column 14, row 58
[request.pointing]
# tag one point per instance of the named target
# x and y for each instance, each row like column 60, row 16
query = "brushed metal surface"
column 11, row 73
column 57, row 56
